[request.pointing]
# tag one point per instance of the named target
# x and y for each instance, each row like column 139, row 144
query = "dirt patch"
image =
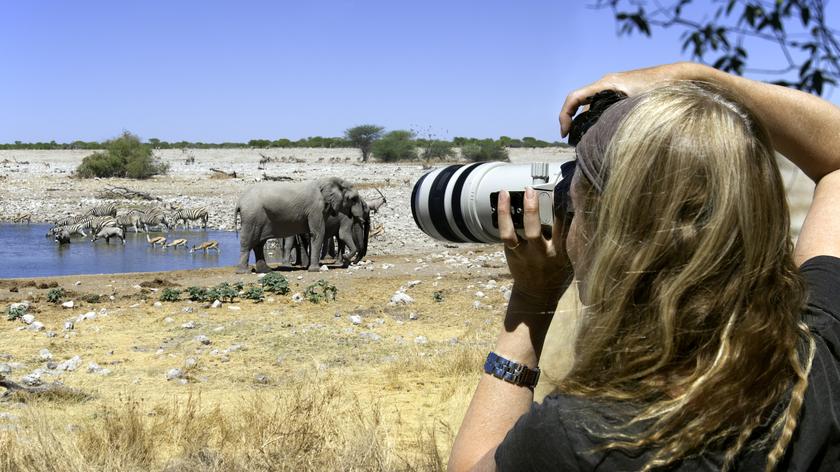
column 158, row 283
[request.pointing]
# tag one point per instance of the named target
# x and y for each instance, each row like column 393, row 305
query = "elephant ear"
column 333, row 190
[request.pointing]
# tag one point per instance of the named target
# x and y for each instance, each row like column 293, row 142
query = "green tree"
column 124, row 156
column 397, row 145
column 363, row 137
column 484, row 150
column 808, row 44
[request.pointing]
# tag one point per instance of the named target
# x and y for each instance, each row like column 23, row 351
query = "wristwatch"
column 510, row 371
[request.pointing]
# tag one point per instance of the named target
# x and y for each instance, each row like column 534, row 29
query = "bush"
column 486, row 150
column 55, row 295
column 254, row 293
column 224, row 291
column 91, row 298
column 276, row 283
column 170, row 295
column 363, row 138
column 438, row 296
column 395, row 146
column 16, row 312
column 125, row 156
column 438, row 150
column 320, row 291
column 197, row 294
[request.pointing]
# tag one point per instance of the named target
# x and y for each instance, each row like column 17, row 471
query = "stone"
column 216, row 304
column 70, row 364
column 188, row 325
column 36, row 326
column 94, row 368
column 412, row 316
column 262, row 379
column 28, row 318
column 401, row 298
column 190, row 362
column 324, row 268
column 356, row 319
column 157, row 304
column 233, row 348
column 91, row 315
column 168, row 319
column 476, row 305
column 5, row 369
column 203, row 339
column 51, row 334
column 413, row 283
column 297, row 297
column 479, row 294
column 173, row 374
column 33, row 379
column 69, row 325
column 421, row 340
column 45, row 354
column 234, row 308
column 370, row 336
column 68, row 304
column 77, row 283
column 187, row 309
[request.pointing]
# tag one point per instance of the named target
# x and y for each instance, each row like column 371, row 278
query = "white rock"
column 187, row 309
column 216, row 304
column 173, row 374
column 5, row 369
column 190, row 362
column 69, row 325
column 412, row 316
column 94, row 368
column 476, row 305
column 33, row 379
column 188, row 325
column 401, row 298
column 203, row 339
column 479, row 294
column 36, row 326
column 91, row 315
column 68, row 304
column 421, row 340
column 77, row 283
column 234, row 308
column 168, row 319
column 413, row 283
column 297, row 297
column 324, row 268
column 45, row 354
column 356, row 319
column 70, row 364
column 28, row 318
column 157, row 304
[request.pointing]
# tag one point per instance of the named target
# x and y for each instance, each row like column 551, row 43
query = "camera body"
column 459, row 203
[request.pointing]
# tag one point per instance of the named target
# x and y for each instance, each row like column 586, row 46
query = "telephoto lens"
column 458, row 203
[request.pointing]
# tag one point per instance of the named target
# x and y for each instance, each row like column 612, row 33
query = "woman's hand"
column 540, row 267
column 631, row 83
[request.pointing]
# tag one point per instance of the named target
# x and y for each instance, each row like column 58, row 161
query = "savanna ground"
column 282, row 385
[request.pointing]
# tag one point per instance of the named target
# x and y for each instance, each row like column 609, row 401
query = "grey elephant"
column 109, row 232
column 280, row 209
column 351, row 233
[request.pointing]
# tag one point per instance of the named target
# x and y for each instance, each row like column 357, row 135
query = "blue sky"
column 231, row 71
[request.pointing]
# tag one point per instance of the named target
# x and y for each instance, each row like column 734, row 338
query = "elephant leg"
column 345, row 235
column 302, row 250
column 259, row 255
column 242, row 268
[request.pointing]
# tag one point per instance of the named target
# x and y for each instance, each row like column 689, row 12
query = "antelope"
column 212, row 244
column 156, row 240
column 375, row 204
column 177, row 242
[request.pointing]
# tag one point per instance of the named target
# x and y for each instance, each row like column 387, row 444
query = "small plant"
column 438, row 296
column 320, row 291
column 254, row 293
column 275, row 283
column 226, row 291
column 15, row 312
column 91, row 298
column 239, row 286
column 170, row 295
column 197, row 294
column 55, row 295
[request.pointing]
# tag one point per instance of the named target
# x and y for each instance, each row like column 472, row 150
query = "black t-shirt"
column 558, row 433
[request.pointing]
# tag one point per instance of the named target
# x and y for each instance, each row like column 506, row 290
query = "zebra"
column 153, row 217
column 72, row 219
column 132, row 218
column 105, row 209
column 187, row 215
column 97, row 223
column 69, row 230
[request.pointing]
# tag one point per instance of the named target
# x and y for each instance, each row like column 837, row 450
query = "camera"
column 459, row 203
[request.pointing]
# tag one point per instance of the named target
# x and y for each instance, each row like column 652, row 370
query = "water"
column 25, row 252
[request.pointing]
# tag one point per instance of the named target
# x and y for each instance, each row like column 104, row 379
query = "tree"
column 810, row 46
column 124, row 156
column 397, row 145
column 363, row 137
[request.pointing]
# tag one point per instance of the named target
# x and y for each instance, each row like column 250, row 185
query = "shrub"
column 254, row 293
column 124, row 156
column 170, row 295
column 15, row 312
column 197, row 294
column 437, row 149
column 91, row 298
column 320, row 291
column 486, row 150
column 276, row 283
column 395, row 146
column 224, row 291
column 55, row 295
column 437, row 296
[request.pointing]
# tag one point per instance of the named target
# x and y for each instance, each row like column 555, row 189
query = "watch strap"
column 511, row 371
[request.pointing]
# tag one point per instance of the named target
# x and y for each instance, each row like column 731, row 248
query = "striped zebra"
column 64, row 232
column 105, row 209
column 152, row 218
column 71, row 220
column 191, row 214
column 97, row 223
column 132, row 218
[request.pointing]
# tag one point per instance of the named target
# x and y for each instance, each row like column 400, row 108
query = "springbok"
column 176, row 243
column 156, row 240
column 212, row 244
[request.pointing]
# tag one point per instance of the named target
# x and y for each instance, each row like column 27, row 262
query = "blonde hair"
column 694, row 300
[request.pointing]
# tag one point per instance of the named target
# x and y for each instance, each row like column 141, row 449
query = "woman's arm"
column 802, row 127
column 541, row 273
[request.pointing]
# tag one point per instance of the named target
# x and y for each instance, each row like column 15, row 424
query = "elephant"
column 109, row 232
column 351, row 233
column 279, row 209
